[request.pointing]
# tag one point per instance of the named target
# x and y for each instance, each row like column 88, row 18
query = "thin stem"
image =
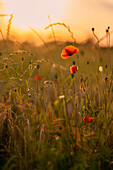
column 98, row 45
column 52, row 29
column 41, row 40
column 5, row 44
column 103, row 37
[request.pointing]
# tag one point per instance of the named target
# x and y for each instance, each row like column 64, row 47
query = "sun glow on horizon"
column 33, row 12
column 79, row 15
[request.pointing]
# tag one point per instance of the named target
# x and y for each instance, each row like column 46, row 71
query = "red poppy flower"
column 73, row 69
column 89, row 120
column 69, row 51
column 37, row 78
column 77, row 147
column 87, row 116
column 83, row 120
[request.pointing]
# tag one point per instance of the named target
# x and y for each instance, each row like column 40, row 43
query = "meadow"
column 51, row 118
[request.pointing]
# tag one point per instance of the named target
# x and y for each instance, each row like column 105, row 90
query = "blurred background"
column 80, row 15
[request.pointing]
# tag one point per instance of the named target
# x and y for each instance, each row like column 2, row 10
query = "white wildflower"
column 100, row 68
column 61, row 97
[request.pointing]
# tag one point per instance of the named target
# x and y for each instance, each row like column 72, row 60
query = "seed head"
column 56, row 76
column 106, row 78
column 106, row 66
column 38, row 66
column 93, row 29
column 87, row 62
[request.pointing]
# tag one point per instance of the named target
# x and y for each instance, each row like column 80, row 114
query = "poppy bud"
column 73, row 69
column 73, row 62
column 106, row 78
column 106, row 66
column 56, row 76
column 38, row 66
column 87, row 62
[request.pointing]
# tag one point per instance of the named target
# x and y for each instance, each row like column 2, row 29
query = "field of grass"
column 44, row 109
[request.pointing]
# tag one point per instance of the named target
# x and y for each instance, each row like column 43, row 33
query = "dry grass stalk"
column 4, row 15
column 38, row 36
column 9, row 25
column 69, row 30
column 41, row 39
column 103, row 37
column 2, row 34
column 3, row 38
column 52, row 28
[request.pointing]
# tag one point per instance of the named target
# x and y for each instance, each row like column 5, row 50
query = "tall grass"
column 43, row 109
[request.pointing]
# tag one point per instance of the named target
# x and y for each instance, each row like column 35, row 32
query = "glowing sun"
column 33, row 12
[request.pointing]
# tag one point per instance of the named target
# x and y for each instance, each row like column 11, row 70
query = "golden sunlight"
column 33, row 12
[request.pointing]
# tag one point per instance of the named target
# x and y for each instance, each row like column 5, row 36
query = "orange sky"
column 80, row 15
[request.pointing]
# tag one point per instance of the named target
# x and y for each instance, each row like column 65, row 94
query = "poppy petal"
column 37, row 78
column 89, row 120
column 64, row 54
column 69, row 51
column 83, row 120
column 87, row 116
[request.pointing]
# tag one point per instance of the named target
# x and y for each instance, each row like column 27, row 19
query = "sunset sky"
column 80, row 15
